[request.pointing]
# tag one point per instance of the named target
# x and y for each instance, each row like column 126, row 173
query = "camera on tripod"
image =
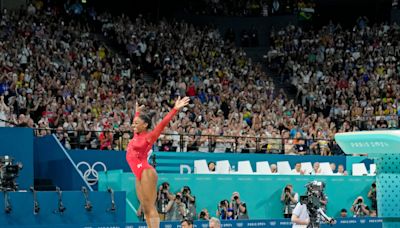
column 312, row 199
column 8, row 173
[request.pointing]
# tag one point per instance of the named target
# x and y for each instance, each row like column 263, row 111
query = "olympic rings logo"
column 91, row 174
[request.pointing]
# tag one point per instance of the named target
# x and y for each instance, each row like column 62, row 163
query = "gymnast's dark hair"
column 147, row 118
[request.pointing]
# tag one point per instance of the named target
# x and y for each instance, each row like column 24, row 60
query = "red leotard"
column 140, row 145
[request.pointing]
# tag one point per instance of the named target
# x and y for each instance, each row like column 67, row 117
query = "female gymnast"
column 137, row 157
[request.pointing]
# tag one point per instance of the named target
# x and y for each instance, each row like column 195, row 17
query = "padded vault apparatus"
column 384, row 148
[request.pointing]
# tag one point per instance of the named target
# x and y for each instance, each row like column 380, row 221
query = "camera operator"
column 289, row 198
column 163, row 198
column 358, row 208
column 176, row 209
column 189, row 202
column 300, row 217
column 323, row 199
column 239, row 207
column 372, row 196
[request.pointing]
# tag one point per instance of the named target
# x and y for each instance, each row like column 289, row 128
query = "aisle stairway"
column 257, row 56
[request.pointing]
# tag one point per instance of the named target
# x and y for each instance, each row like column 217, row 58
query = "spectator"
column 62, row 137
column 214, row 223
column 211, row 166
column 341, row 170
column 163, row 198
column 372, row 196
column 187, row 223
column 289, row 198
column 190, row 202
column 204, row 215
column 297, row 169
column 316, row 168
column 333, row 167
column 274, row 169
column 239, row 207
column 343, row 213
column 176, row 209
column 4, row 109
column 358, row 208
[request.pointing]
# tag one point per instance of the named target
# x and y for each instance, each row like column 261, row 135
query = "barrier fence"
column 118, row 140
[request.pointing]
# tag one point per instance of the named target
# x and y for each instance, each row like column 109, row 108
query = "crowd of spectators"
column 56, row 78
column 250, row 8
column 345, row 78
column 230, row 95
column 54, row 75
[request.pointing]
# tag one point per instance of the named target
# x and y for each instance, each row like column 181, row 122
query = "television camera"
column 8, row 173
column 312, row 199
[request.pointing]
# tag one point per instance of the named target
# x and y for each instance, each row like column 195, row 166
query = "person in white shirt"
column 297, row 169
column 300, row 216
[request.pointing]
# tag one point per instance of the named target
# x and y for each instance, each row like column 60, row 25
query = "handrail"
column 117, row 140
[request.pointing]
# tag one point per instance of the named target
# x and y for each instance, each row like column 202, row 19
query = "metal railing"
column 118, row 140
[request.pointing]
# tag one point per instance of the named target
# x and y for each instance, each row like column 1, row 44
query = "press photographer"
column 176, row 209
column 239, row 207
column 163, row 198
column 204, row 215
column 289, row 198
column 8, row 173
column 372, row 196
column 358, row 208
column 190, row 202
column 224, row 212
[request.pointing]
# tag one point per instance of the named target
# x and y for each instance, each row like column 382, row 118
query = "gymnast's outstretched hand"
column 180, row 103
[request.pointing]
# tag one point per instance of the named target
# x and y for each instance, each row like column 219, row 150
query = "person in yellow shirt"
column 102, row 53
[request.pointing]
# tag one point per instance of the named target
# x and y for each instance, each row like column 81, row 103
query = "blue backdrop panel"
column 22, row 209
column 18, row 143
column 53, row 162
column 275, row 223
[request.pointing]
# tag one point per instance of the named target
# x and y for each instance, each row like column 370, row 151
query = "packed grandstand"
column 60, row 77
column 77, row 72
